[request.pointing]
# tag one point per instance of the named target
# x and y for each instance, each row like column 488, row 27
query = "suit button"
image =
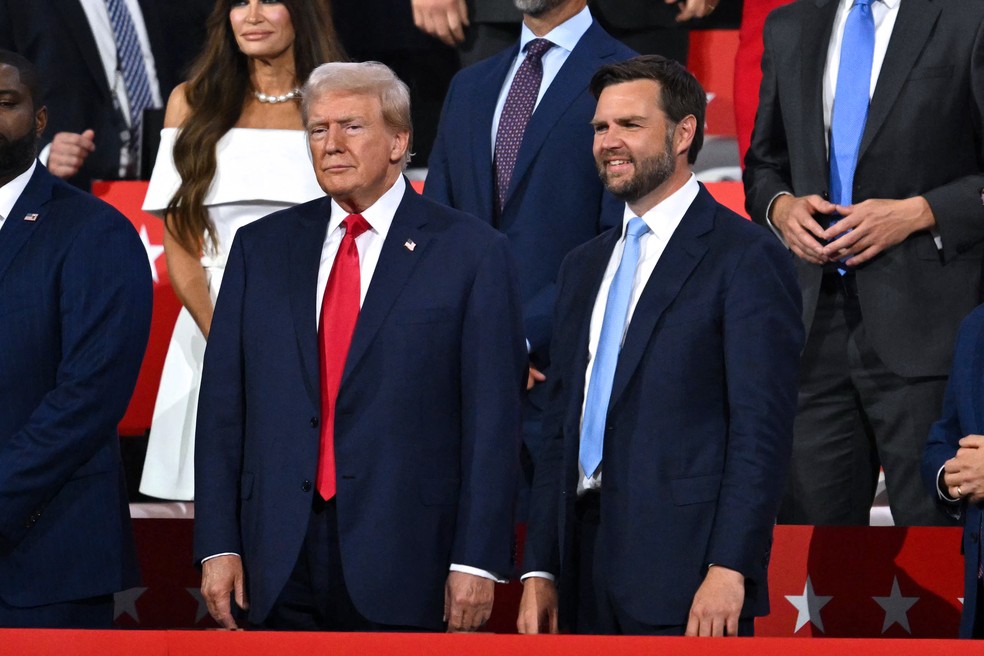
column 306, row 486
column 314, row 422
column 609, row 428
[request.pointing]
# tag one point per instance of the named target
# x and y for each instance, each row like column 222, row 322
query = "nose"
column 334, row 140
column 255, row 12
column 611, row 138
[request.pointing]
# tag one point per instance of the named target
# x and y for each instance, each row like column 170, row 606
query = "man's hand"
column 870, row 227
column 964, row 473
column 538, row 607
column 535, row 376
column 443, row 19
column 467, row 601
column 794, row 218
column 222, row 576
column 717, row 603
column 693, row 8
column 68, row 152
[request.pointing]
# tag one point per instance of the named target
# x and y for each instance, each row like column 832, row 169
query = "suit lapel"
column 913, row 26
column 487, row 97
column 16, row 230
column 683, row 253
column 976, row 400
column 309, row 231
column 393, row 270
column 571, row 81
column 814, row 45
column 77, row 24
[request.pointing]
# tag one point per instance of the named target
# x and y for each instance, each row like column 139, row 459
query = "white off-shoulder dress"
column 257, row 172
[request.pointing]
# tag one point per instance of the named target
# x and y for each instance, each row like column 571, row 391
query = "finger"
column 240, row 593
column 552, row 615
column 731, row 625
column 463, row 12
column 841, row 246
column 717, row 626
column 865, row 254
column 455, row 28
column 704, row 627
column 523, row 624
column 692, row 625
column 447, row 604
column 87, row 140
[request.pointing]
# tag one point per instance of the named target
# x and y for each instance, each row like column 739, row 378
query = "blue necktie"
column 851, row 100
column 609, row 344
column 131, row 63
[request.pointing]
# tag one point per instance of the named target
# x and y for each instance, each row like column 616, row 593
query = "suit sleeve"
column 957, row 204
column 493, row 373
column 948, row 429
column 542, row 548
column 221, row 419
column 105, row 299
column 437, row 186
column 767, row 171
column 763, row 337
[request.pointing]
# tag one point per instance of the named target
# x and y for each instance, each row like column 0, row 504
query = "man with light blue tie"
column 867, row 161
column 673, row 390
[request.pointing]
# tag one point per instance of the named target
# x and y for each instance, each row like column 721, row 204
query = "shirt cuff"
column 227, row 553
column 941, row 488
column 768, row 217
column 474, row 571
column 539, row 575
column 43, row 157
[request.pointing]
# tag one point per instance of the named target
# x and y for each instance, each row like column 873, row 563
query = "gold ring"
column 959, row 493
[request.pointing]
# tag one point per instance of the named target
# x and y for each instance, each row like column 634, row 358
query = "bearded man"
column 668, row 428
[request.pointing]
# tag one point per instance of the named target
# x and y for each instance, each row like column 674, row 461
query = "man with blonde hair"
column 358, row 427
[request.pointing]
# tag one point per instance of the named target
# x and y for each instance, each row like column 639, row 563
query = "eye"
column 353, row 128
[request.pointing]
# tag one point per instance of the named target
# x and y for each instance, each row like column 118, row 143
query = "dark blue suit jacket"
column 555, row 199
column 963, row 414
column 75, row 304
column 699, row 427
column 427, row 425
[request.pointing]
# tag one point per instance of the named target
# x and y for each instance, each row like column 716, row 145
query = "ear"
column 40, row 121
column 684, row 135
column 401, row 142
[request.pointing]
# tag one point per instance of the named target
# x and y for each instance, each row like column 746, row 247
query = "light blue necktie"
column 609, row 344
column 131, row 63
column 851, row 102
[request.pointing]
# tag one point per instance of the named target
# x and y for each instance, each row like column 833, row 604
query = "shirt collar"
column 379, row 215
column 888, row 3
column 666, row 215
column 10, row 192
column 566, row 35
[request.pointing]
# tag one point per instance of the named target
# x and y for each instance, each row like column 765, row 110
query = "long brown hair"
column 216, row 91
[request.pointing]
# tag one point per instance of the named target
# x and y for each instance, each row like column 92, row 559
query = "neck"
column 662, row 192
column 273, row 76
column 542, row 24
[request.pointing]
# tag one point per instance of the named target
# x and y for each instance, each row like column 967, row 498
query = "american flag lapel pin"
column 409, row 245
column 31, row 217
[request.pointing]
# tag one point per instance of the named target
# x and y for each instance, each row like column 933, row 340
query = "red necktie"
column 339, row 312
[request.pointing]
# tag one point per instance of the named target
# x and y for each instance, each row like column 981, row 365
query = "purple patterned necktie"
column 515, row 115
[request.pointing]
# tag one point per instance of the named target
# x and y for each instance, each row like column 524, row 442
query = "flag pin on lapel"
column 31, row 217
column 409, row 245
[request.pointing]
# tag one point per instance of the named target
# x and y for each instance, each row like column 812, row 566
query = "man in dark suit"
column 866, row 161
column 953, row 461
column 75, row 303
column 66, row 39
column 551, row 199
column 417, row 411
column 672, row 392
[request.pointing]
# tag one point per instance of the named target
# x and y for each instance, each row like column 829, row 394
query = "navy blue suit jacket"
column 427, row 425
column 75, row 304
column 555, row 200
column 963, row 414
column 699, row 427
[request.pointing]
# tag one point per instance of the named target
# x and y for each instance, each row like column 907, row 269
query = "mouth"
column 617, row 165
column 255, row 36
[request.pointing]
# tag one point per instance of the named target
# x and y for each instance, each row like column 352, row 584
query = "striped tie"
column 130, row 61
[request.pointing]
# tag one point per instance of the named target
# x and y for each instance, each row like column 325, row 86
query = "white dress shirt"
column 564, row 37
column 11, row 192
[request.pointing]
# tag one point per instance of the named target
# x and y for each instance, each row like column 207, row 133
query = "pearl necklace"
column 282, row 98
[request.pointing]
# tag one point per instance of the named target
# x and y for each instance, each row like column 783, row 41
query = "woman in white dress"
column 232, row 150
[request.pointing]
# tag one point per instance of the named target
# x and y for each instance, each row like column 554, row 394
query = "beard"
column 536, row 7
column 16, row 154
column 650, row 173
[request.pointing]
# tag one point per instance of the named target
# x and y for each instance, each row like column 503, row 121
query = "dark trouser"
column 593, row 609
column 92, row 613
column 854, row 415
column 316, row 597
